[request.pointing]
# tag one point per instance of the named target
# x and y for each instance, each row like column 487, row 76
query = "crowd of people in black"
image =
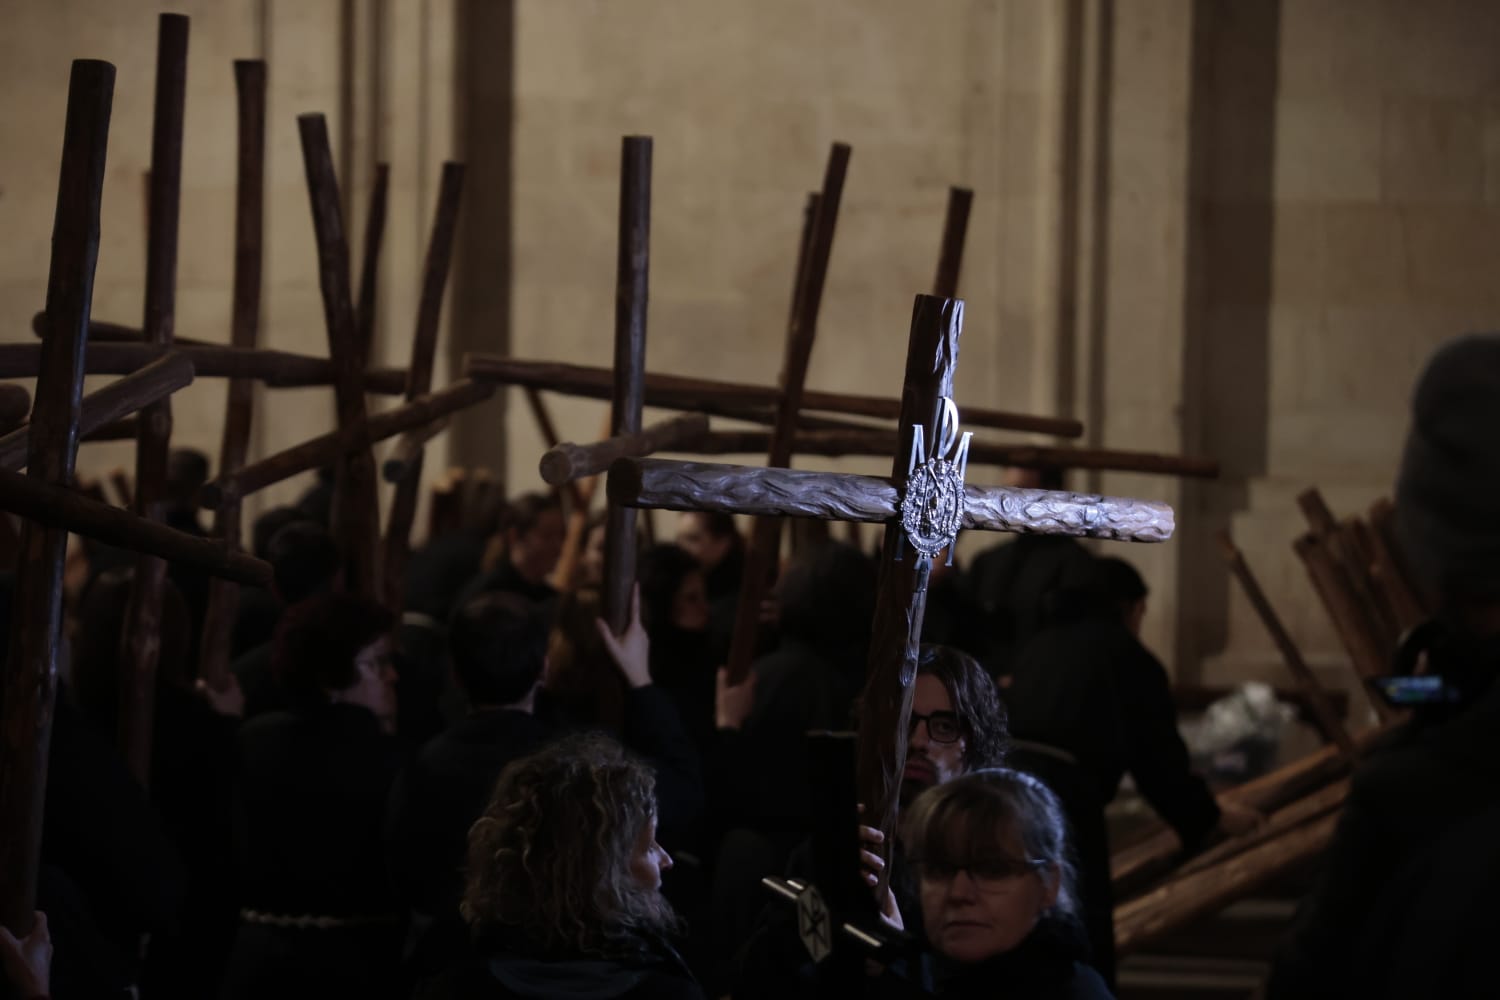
column 493, row 795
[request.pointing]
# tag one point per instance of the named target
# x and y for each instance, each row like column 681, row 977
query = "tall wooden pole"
column 955, row 228
column 357, row 511
column 223, row 596
column 632, row 282
column 30, row 678
column 423, row 350
column 140, row 641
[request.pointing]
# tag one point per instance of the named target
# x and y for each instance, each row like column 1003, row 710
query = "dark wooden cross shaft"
column 913, row 515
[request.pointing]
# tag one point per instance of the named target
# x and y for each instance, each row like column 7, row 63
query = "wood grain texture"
column 30, row 678
column 109, row 404
column 356, row 508
column 632, row 291
column 568, row 462
column 249, row 213
column 403, row 510
column 737, row 489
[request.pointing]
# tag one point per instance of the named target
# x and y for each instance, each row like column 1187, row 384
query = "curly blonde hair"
column 549, row 861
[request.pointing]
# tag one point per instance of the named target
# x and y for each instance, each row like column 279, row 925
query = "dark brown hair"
column 976, row 702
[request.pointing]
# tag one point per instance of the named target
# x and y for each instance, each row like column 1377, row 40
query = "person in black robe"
column 318, row 916
column 676, row 612
column 1404, row 902
column 712, row 538
column 305, row 562
column 530, row 538
column 1089, row 703
column 1012, row 584
column 192, row 754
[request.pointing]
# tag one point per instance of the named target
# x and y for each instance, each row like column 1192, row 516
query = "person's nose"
column 920, row 738
column 962, row 887
column 666, row 864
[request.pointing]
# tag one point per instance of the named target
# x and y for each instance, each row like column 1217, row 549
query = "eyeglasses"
column 989, row 874
column 942, row 727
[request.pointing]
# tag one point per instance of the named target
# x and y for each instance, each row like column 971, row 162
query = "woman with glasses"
column 989, row 851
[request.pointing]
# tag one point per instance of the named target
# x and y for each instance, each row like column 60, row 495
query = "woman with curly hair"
column 564, row 882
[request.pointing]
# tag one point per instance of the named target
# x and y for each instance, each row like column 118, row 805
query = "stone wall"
column 1233, row 229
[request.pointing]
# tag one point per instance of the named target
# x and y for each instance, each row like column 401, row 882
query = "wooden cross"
column 51, row 510
column 419, row 384
column 140, row 636
column 919, row 504
column 223, row 597
column 356, row 512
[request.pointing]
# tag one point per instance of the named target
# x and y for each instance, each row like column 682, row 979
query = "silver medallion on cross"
column 932, row 503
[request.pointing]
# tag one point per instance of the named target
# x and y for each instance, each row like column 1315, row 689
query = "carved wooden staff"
column 632, row 285
column 423, row 350
column 330, row 447
column 30, row 677
column 878, row 441
column 955, row 228
column 1328, row 722
column 902, row 598
column 357, row 511
column 764, row 548
column 278, row 369
column 108, row 405
column 140, row 639
column 726, row 399
column 223, row 596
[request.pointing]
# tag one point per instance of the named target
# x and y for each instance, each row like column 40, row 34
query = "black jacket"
column 1404, row 860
